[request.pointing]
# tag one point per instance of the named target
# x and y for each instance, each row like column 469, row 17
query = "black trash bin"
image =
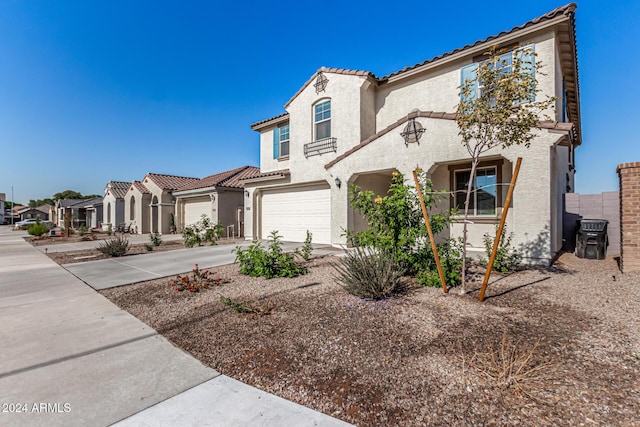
column 592, row 239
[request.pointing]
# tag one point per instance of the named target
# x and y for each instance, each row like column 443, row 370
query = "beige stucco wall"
column 141, row 219
column 359, row 109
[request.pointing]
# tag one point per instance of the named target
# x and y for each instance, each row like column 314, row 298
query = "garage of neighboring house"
column 194, row 208
column 294, row 211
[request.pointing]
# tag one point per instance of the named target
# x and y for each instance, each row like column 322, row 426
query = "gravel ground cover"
column 557, row 346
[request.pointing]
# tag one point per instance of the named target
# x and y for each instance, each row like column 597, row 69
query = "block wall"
column 629, row 174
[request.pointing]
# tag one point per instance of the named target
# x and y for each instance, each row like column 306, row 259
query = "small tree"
column 498, row 108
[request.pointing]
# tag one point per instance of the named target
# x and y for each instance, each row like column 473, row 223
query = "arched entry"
column 154, row 214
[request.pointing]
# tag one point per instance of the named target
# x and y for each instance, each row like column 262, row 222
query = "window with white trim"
column 322, row 120
column 281, row 141
column 525, row 54
column 484, row 191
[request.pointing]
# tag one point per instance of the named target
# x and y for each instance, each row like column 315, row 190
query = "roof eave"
column 477, row 49
column 274, row 121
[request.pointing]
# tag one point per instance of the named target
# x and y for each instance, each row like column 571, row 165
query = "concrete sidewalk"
column 70, row 357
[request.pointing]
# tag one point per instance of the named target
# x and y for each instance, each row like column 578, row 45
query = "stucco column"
column 629, row 174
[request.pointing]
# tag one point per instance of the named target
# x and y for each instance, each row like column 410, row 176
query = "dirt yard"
column 557, row 347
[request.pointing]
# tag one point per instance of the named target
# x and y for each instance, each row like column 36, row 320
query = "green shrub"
column 155, row 238
column 507, row 258
column 37, row 229
column 257, row 261
column 82, row 230
column 450, row 253
column 305, row 251
column 116, row 247
column 196, row 280
column 396, row 223
column 370, row 273
column 203, row 231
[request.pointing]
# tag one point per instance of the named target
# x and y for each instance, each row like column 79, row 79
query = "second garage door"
column 293, row 212
column 194, row 208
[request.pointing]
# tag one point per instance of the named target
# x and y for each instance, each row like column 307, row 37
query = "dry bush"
column 518, row 367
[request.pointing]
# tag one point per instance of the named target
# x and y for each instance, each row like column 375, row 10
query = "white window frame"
column 282, row 141
column 323, row 120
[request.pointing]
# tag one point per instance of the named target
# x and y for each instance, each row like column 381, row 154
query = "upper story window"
column 322, row 120
column 484, row 196
column 526, row 56
column 281, row 141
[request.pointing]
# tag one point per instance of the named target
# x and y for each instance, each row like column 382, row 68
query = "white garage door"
column 293, row 212
column 194, row 208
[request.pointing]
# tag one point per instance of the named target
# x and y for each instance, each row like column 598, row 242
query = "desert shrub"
column 396, row 223
column 82, row 230
column 519, row 367
column 507, row 258
column 370, row 273
column 203, row 231
column 155, row 238
column 271, row 262
column 116, row 247
column 450, row 253
column 37, row 229
column 305, row 250
column 245, row 308
column 196, row 280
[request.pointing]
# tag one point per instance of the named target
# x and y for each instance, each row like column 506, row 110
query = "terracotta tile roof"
column 140, row 187
column 228, row 179
column 169, row 182
column 568, row 10
column 117, row 188
column 344, row 71
column 566, row 36
column 281, row 173
column 431, row 115
column 273, row 120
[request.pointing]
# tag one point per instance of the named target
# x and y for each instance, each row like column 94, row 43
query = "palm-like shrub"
column 369, row 273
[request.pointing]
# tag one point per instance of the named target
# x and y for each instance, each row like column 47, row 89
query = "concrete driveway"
column 134, row 239
column 107, row 273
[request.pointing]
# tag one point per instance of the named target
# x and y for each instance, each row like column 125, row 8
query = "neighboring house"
column 149, row 205
column 113, row 203
column 62, row 207
column 40, row 212
column 94, row 212
column 12, row 216
column 220, row 197
column 344, row 127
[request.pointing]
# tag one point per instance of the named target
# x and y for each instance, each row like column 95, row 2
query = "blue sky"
column 99, row 91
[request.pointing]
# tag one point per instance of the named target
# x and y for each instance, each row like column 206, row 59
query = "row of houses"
column 166, row 203
column 346, row 127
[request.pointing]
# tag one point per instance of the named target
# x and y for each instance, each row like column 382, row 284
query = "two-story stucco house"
column 344, row 127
